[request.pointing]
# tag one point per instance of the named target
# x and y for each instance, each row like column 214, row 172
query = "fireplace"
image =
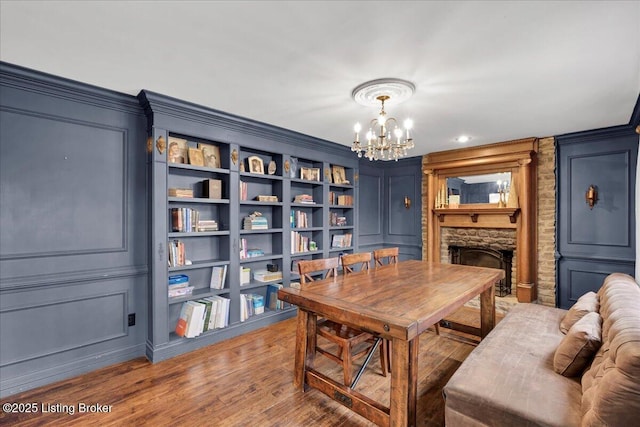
column 485, row 257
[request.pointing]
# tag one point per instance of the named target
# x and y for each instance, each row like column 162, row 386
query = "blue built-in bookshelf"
column 279, row 203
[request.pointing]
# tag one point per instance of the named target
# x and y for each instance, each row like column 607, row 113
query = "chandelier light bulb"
column 357, row 128
column 408, row 124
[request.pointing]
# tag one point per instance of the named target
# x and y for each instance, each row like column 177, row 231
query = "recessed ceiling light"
column 463, row 138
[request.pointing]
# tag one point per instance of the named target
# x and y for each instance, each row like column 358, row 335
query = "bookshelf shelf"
column 199, row 233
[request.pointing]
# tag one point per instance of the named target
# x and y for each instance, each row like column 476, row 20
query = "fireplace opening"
column 485, row 257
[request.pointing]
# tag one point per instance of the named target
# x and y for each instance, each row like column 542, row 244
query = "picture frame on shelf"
column 195, row 157
column 310, row 174
column 339, row 175
column 293, row 168
column 178, row 151
column 255, row 164
column 211, row 155
column 272, row 167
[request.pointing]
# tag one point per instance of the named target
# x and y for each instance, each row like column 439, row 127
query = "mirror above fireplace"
column 479, row 188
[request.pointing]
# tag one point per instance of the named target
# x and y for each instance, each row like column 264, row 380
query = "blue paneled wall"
column 73, row 243
column 384, row 218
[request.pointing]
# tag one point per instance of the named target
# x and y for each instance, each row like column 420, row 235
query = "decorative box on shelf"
column 181, row 192
column 212, row 188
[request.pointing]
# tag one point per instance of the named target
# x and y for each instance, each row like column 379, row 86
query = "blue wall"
column 592, row 243
column 383, row 218
column 73, row 246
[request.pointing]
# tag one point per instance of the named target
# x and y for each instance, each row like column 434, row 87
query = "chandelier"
column 384, row 140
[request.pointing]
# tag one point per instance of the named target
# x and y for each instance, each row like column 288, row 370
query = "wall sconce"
column 591, row 196
column 407, row 202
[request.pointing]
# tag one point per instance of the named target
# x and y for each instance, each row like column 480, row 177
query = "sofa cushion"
column 611, row 386
column 508, row 380
column 579, row 346
column 587, row 303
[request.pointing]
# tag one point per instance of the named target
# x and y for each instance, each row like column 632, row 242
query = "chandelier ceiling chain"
column 383, row 142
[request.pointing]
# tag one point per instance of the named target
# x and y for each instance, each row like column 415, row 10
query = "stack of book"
column 243, row 190
column 306, row 199
column 176, row 253
column 298, row 219
column 218, row 277
column 273, row 303
column 266, row 198
column 250, row 305
column 184, row 219
column 202, row 315
column 255, row 222
column 267, row 276
column 181, row 192
column 299, row 242
column 345, row 200
column 246, row 252
column 336, row 220
column 207, row 225
column 341, row 240
column 179, row 286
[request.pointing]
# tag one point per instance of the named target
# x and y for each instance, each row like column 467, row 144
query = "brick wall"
column 546, row 221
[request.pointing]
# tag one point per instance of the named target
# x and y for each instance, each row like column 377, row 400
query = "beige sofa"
column 509, row 379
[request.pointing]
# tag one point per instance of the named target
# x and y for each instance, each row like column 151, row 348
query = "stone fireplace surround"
column 498, row 239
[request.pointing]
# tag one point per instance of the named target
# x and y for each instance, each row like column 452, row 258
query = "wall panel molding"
column 71, row 278
column 71, row 312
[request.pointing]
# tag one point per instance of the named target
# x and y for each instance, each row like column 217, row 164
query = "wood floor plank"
column 247, row 380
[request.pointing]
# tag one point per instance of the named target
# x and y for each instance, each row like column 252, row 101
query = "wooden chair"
column 361, row 260
column 352, row 343
column 388, row 255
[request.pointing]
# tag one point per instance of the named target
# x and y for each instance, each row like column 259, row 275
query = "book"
column 208, row 313
column 180, row 192
column 267, row 276
column 266, row 198
column 218, row 276
column 186, row 313
column 304, row 198
column 258, row 303
column 244, row 188
column 272, row 301
column 245, row 275
column 182, row 279
column 180, row 291
column 195, row 324
column 341, row 240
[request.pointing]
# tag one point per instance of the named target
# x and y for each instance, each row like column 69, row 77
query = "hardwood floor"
column 243, row 381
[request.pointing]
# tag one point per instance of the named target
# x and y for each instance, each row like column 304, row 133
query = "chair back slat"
column 352, row 261
column 388, row 255
column 328, row 266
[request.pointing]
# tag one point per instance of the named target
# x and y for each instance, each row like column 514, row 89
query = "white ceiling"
column 493, row 70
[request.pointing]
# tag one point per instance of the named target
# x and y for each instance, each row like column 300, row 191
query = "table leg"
column 487, row 310
column 404, row 382
column 305, row 346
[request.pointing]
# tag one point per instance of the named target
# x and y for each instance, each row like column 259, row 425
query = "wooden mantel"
column 517, row 157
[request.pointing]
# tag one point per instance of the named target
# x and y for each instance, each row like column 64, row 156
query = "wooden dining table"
column 396, row 302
